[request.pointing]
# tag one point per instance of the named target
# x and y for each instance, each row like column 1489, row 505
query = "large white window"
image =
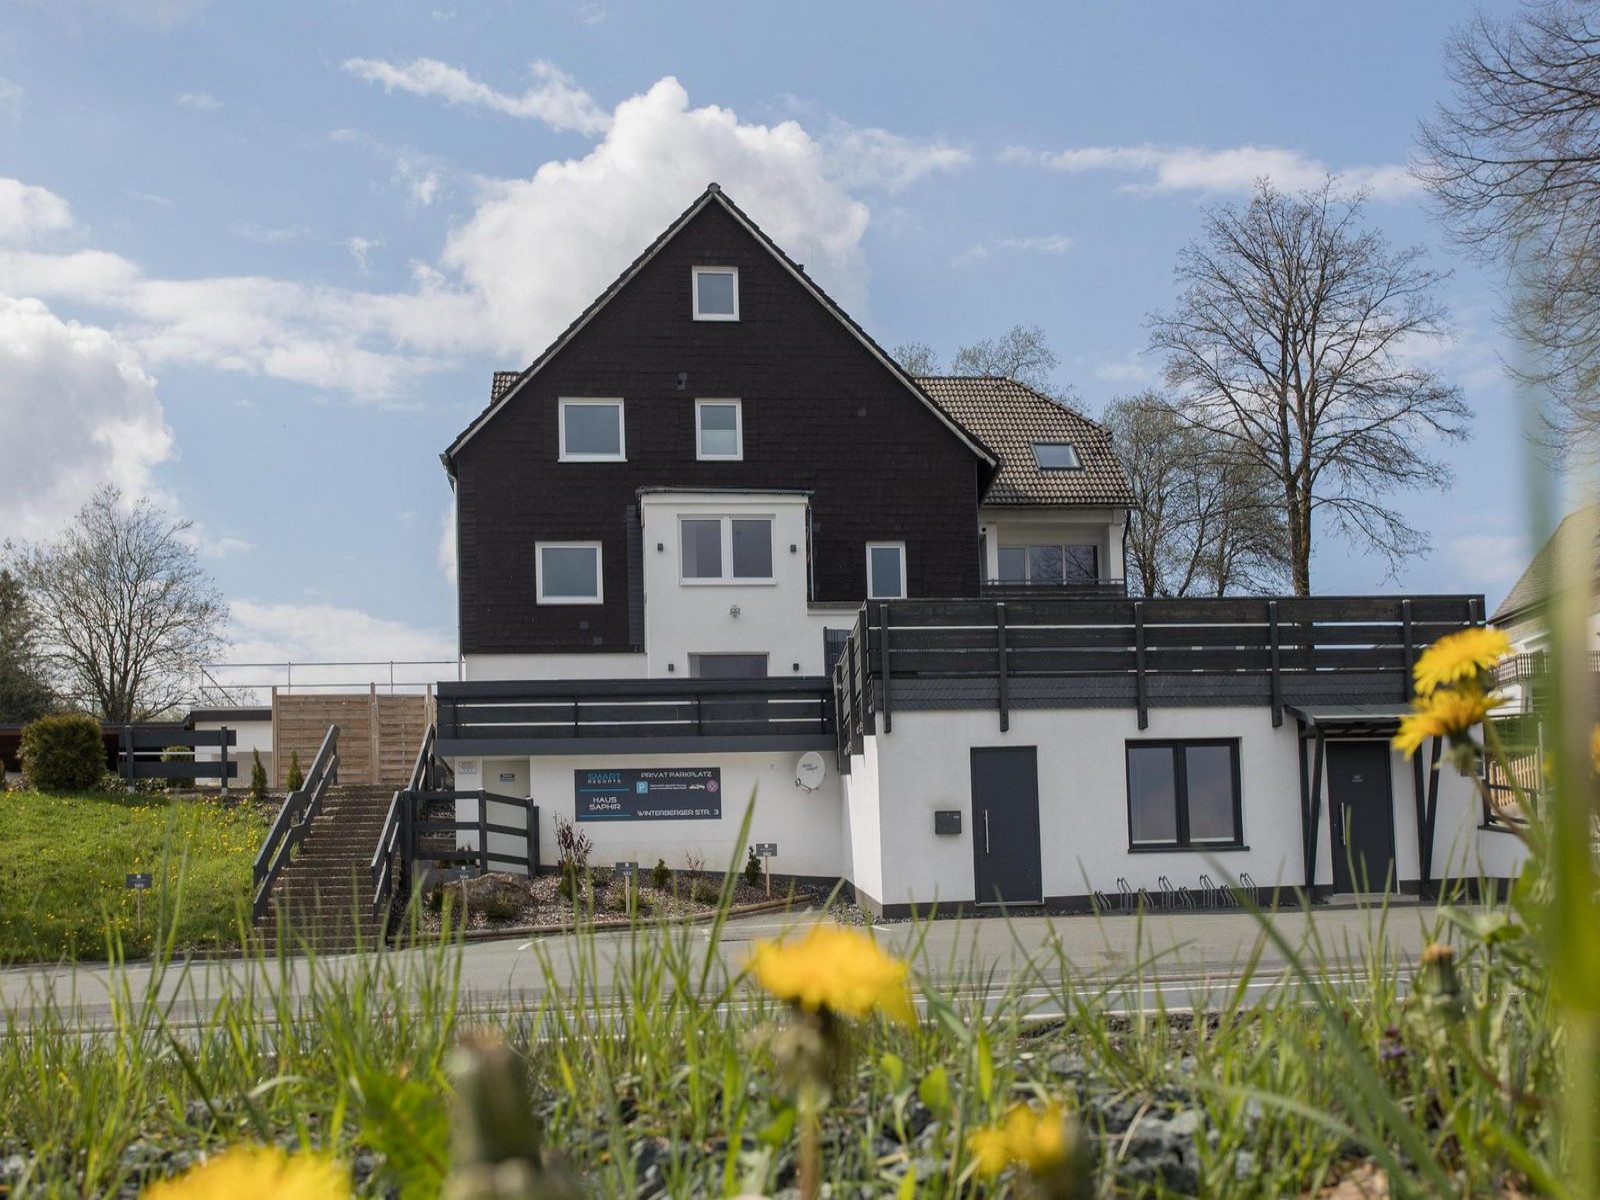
column 726, row 549
column 568, row 572
column 592, row 431
column 716, row 293
column 886, row 570
column 718, row 430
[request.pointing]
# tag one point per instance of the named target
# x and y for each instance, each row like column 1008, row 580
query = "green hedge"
column 63, row 754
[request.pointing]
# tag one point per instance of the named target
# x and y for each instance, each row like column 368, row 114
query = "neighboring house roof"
column 502, row 384
column 1010, row 417
column 501, row 394
column 1569, row 554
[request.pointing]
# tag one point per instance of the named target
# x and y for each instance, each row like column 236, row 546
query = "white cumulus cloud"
column 27, row 211
column 305, row 633
column 512, row 273
column 1230, row 170
column 537, row 250
column 553, row 98
column 76, row 409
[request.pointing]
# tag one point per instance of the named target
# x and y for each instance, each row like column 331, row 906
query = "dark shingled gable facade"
column 822, row 412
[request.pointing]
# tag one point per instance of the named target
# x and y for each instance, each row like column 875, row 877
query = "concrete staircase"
column 324, row 894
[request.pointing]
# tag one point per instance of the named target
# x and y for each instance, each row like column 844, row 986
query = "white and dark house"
column 715, row 544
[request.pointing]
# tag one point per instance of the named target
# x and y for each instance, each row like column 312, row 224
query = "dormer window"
column 1056, row 456
column 716, row 293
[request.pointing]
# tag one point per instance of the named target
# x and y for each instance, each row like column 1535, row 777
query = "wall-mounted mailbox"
column 947, row 820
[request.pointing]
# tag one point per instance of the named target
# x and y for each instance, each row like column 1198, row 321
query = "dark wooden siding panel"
column 819, row 412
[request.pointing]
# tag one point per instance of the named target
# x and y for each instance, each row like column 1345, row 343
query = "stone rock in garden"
column 1068, row 1066
column 498, row 897
column 1160, row 1150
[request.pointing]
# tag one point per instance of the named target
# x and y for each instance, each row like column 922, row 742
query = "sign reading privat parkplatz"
column 649, row 794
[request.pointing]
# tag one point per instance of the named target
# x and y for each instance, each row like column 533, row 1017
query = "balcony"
column 634, row 716
column 1023, row 589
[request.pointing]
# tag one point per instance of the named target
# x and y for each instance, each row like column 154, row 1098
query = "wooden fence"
column 378, row 737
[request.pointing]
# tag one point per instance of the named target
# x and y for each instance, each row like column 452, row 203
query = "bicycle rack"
column 1125, row 895
column 1168, row 893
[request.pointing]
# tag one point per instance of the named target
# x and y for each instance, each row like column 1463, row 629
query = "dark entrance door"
column 1005, row 826
column 1361, row 809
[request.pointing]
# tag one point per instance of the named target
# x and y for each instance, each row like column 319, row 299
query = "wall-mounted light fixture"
column 661, row 547
column 683, row 380
column 734, row 611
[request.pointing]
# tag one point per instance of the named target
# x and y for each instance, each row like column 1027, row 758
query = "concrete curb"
column 614, row 923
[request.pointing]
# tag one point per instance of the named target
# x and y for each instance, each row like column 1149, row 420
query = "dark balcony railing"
column 648, row 715
column 1531, row 665
column 1031, row 589
column 1047, row 651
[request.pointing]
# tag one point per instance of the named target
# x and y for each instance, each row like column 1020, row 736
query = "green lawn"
column 63, row 860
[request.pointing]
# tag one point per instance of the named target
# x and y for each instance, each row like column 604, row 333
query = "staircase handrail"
column 294, row 820
column 397, row 823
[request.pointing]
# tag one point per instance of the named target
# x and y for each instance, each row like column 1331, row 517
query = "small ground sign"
column 141, row 881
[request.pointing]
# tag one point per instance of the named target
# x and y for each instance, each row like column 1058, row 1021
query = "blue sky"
column 259, row 260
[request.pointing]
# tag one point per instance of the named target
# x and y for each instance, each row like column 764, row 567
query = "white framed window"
column 725, row 549
column 568, row 573
column 716, row 293
column 592, row 431
column 718, row 430
column 886, row 570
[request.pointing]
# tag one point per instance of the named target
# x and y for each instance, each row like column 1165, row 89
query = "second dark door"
column 1361, row 811
column 1005, row 826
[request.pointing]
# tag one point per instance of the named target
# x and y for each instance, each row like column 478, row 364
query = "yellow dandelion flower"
column 1449, row 712
column 1034, row 1138
column 840, row 970
column 258, row 1173
column 1459, row 658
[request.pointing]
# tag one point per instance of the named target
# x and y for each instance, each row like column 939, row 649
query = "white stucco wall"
column 808, row 827
column 925, row 765
column 252, row 736
column 553, row 666
column 684, row 618
column 1102, row 527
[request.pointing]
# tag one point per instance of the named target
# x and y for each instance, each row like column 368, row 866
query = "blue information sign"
column 649, row 794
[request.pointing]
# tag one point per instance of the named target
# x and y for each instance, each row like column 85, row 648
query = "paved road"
column 1189, row 958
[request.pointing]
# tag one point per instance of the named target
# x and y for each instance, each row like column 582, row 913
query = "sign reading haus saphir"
column 649, row 794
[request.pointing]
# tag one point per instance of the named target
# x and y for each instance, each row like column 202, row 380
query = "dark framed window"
column 1049, row 564
column 1184, row 794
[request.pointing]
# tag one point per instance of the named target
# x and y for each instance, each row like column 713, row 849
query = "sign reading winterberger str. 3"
column 647, row 794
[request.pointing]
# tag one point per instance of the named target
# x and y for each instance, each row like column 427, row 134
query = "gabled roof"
column 1011, row 417
column 1569, row 554
column 501, row 393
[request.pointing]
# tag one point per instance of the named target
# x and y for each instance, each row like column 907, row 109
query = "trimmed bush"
column 64, row 753
column 296, row 778
column 661, row 876
column 706, row 892
column 752, row 868
column 258, row 777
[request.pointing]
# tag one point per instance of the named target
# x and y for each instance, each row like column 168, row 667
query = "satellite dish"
column 810, row 771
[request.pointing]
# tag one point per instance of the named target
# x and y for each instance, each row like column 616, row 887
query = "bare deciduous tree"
column 1514, row 164
column 917, row 358
column 1290, row 344
column 1205, row 521
column 1021, row 353
column 126, row 614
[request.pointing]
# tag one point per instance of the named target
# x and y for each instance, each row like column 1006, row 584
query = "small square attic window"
column 1056, row 456
column 716, row 293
